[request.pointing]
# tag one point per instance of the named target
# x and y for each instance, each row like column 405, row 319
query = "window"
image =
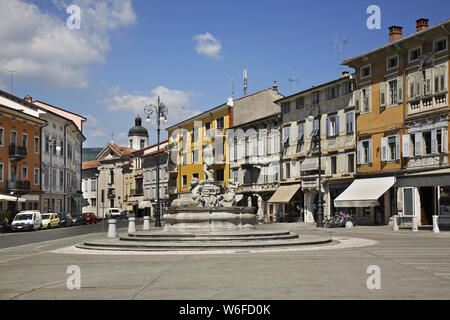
column 333, row 164
column 286, row 132
column 287, row 170
column 184, row 181
column 440, row 45
column 25, row 140
column 207, row 128
column 220, row 175
column 392, row 85
column 333, row 126
column 93, row 182
column 285, row 107
column 315, row 97
column 236, row 175
column 24, row 173
column 265, row 171
column 194, row 134
column 46, row 177
column 13, row 137
column 390, row 148
column 131, row 143
column 276, row 172
column 36, row 176
column 194, row 155
column 301, row 131
column 174, row 181
column 415, row 54
column 185, row 158
column 1, row 172
column 364, row 152
column 350, row 122
column 235, row 149
column 246, row 174
column 365, row 72
column 220, row 123
column 93, row 202
column 36, row 145
column 366, row 99
column 351, row 162
column 392, row 62
column 142, row 143
column 299, row 102
column 331, row 92
column 2, row 137
column 195, row 176
column 408, row 201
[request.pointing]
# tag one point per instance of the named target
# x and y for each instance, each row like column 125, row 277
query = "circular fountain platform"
column 159, row 240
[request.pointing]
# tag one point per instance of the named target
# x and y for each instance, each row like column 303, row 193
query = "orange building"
column 402, row 127
column 20, row 158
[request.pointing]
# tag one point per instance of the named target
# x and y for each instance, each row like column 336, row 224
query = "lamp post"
column 160, row 111
column 316, row 138
column 53, row 147
column 96, row 193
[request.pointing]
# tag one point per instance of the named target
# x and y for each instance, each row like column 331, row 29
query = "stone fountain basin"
column 212, row 219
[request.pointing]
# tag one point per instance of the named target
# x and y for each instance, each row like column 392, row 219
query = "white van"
column 27, row 220
column 113, row 213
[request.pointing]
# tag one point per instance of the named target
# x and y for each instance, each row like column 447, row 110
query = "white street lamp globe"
column 165, row 121
column 58, row 148
column 161, row 119
column 148, row 119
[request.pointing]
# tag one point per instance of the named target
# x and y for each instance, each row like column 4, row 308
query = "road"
column 13, row 239
column 412, row 265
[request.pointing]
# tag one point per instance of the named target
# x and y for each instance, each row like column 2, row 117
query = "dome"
column 138, row 129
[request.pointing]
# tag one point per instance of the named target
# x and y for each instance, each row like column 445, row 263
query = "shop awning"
column 238, row 197
column 284, row 193
column 312, row 164
column 145, row 204
column 31, row 198
column 364, row 192
column 4, row 197
column 440, row 177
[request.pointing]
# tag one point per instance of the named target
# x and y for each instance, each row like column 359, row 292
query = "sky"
column 125, row 53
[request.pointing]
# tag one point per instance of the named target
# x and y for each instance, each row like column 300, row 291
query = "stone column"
column 395, row 223
column 112, row 231
column 414, row 224
column 435, row 224
column 131, row 224
column 146, row 223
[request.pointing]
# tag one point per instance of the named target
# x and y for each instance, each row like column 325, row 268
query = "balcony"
column 19, row 186
column 16, row 152
column 137, row 192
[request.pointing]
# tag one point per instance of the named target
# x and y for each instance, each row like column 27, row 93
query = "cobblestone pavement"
column 412, row 266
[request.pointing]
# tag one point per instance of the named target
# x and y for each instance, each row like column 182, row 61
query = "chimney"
column 421, row 24
column 395, row 33
column 275, row 87
column 28, row 98
column 345, row 74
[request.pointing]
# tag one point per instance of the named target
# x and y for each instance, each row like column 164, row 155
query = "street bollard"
column 395, row 223
column 414, row 224
column 146, row 223
column 435, row 224
column 131, row 224
column 112, row 231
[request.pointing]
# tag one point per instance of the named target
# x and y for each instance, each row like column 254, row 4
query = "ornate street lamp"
column 160, row 111
column 316, row 138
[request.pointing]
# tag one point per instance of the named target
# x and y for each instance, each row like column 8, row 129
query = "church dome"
column 138, row 129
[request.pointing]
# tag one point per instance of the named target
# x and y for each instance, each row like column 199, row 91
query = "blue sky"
column 127, row 52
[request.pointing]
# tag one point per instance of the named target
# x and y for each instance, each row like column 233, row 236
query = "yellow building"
column 188, row 139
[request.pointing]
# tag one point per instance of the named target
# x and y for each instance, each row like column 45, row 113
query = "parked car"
column 65, row 220
column 125, row 214
column 89, row 218
column 113, row 213
column 27, row 220
column 50, row 220
column 77, row 219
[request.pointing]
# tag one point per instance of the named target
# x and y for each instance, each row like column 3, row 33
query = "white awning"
column 238, row 197
column 145, row 204
column 30, row 197
column 311, row 164
column 284, row 194
column 4, row 197
column 364, row 192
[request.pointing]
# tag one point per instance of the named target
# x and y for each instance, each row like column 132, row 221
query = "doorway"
column 426, row 205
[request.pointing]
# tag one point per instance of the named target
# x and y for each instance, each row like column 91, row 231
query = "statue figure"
column 260, row 212
column 195, row 189
column 208, row 161
column 229, row 198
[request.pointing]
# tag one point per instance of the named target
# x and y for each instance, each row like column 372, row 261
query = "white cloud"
column 208, row 45
column 93, row 129
column 40, row 46
column 176, row 101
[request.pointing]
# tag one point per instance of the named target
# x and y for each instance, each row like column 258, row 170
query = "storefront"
column 288, row 201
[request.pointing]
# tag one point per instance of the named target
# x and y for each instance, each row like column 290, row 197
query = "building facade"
column 402, row 125
column 90, row 180
column 332, row 104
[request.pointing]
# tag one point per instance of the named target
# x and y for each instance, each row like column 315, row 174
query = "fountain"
column 207, row 209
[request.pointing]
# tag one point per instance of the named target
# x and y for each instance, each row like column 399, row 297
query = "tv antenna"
column 12, row 78
column 244, row 74
column 293, row 77
column 232, row 88
column 338, row 41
